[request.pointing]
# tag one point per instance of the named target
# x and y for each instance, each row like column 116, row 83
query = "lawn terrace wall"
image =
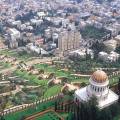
column 25, row 106
column 116, row 73
column 107, row 69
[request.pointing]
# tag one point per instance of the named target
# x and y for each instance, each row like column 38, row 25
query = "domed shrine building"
column 98, row 87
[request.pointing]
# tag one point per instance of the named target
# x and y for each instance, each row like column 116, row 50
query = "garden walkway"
column 42, row 113
column 81, row 75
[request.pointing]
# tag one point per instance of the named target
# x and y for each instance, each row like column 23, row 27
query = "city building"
column 110, row 45
column 14, row 35
column 111, row 57
column 98, row 87
column 41, row 14
column 32, row 48
column 68, row 41
column 117, row 38
column 81, row 53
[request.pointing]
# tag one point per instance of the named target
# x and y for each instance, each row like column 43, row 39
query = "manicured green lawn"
column 32, row 78
column 61, row 73
column 48, row 116
column 79, row 79
column 4, row 65
column 52, row 69
column 49, row 90
column 33, row 110
column 52, row 91
column 114, row 80
column 44, row 67
column 64, row 115
column 29, row 111
column 49, row 69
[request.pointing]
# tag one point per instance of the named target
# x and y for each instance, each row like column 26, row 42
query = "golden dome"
column 99, row 76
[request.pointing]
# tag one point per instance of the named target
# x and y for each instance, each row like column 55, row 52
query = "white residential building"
column 111, row 57
column 81, row 53
column 110, row 45
column 14, row 36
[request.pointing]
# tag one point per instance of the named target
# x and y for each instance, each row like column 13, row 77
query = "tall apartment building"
column 68, row 41
column 14, row 35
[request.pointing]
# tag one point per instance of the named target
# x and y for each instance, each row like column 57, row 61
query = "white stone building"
column 41, row 14
column 68, row 41
column 111, row 57
column 81, row 53
column 117, row 38
column 110, row 45
column 16, row 23
column 14, row 35
column 35, row 49
column 98, row 87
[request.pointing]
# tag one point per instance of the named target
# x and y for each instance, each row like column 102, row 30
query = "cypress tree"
column 119, row 87
column 55, row 105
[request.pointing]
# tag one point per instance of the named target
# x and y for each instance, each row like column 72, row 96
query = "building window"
column 101, row 89
column 91, row 86
column 95, row 88
column 98, row 89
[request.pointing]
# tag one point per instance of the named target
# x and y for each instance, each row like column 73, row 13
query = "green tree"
column 105, row 115
column 56, row 105
column 119, row 86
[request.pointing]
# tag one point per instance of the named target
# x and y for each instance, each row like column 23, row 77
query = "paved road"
column 81, row 75
column 42, row 113
column 35, row 61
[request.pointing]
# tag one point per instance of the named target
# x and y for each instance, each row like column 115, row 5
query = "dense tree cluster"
column 91, row 32
column 117, row 50
column 1, row 28
column 86, row 65
column 97, row 47
column 71, row 10
column 26, row 17
column 102, row 1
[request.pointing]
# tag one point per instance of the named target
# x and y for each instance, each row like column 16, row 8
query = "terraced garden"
column 52, row 69
column 114, row 79
column 31, row 78
column 49, row 69
column 24, row 56
column 29, row 111
column 37, row 109
column 48, row 90
column 61, row 73
column 4, row 65
column 54, row 89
